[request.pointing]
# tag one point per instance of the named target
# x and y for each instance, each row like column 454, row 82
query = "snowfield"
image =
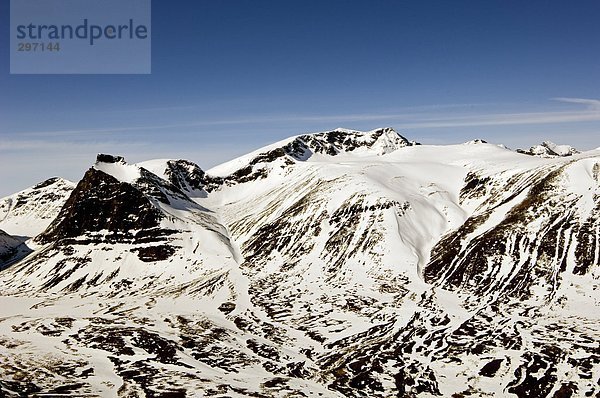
column 333, row 264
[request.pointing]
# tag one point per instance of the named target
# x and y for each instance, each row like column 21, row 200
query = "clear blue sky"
column 230, row 76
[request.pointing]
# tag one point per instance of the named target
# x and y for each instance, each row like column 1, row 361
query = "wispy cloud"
column 592, row 104
column 232, row 105
column 46, row 145
column 430, row 118
column 505, row 119
column 591, row 113
column 224, row 122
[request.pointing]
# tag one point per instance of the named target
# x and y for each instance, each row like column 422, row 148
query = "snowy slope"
column 119, row 219
column 352, row 239
column 330, row 264
column 29, row 212
column 316, row 146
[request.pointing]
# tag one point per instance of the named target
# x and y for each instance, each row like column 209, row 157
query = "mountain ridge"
column 380, row 269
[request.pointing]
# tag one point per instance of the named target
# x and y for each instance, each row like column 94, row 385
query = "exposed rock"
column 8, row 246
column 105, row 158
column 102, row 203
column 550, row 149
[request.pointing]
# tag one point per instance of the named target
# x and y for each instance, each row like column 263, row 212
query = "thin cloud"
column 405, row 120
column 11, row 146
column 506, row 119
column 592, row 104
column 224, row 122
column 414, row 108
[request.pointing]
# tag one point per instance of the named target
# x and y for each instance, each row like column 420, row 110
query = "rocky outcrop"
column 101, row 203
column 549, row 149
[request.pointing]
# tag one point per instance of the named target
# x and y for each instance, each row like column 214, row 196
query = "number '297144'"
column 25, row 46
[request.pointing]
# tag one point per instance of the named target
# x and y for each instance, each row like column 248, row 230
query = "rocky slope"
column 334, row 264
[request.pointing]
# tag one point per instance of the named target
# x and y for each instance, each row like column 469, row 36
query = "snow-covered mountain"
column 117, row 220
column 550, row 149
column 335, row 264
column 29, row 212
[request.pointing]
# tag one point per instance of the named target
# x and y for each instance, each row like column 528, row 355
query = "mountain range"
column 333, row 264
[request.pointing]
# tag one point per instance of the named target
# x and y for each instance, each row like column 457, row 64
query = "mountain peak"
column 548, row 149
column 29, row 212
column 105, row 158
column 379, row 141
column 183, row 174
column 117, row 167
column 303, row 147
column 101, row 202
column 476, row 141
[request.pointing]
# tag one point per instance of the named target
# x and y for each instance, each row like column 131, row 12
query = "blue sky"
column 231, row 76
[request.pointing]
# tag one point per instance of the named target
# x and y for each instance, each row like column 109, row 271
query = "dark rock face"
column 46, row 183
column 475, row 187
column 104, row 158
column 101, row 202
column 154, row 253
column 8, row 246
column 587, row 242
column 490, row 369
column 185, row 175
